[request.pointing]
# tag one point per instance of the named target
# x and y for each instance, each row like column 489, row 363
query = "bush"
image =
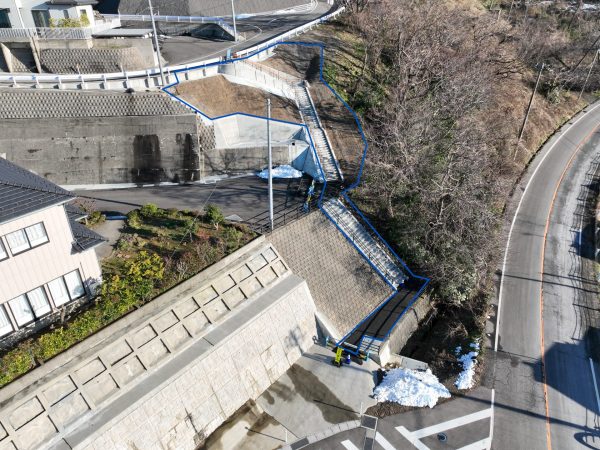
column 133, row 220
column 232, row 236
column 214, row 215
column 95, row 218
column 149, row 210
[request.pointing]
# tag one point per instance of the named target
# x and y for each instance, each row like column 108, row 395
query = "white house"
column 37, row 13
column 47, row 259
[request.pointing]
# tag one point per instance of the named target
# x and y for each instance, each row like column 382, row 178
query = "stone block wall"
column 343, row 284
column 168, row 374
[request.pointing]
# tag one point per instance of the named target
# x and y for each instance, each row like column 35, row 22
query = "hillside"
column 442, row 89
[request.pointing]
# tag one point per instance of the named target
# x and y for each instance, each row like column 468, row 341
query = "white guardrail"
column 58, row 32
column 151, row 76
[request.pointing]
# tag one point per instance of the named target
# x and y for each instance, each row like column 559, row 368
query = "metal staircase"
column 320, row 141
column 368, row 243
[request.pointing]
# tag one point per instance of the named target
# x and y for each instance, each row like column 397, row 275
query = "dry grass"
column 216, row 96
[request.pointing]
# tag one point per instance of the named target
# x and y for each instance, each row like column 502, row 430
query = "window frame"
column 4, row 311
column 5, row 12
column 64, row 284
column 45, row 234
column 24, row 231
column 33, row 313
column 4, row 249
column 42, row 288
column 80, row 283
column 12, row 310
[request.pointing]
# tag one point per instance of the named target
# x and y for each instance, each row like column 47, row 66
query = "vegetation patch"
column 157, row 250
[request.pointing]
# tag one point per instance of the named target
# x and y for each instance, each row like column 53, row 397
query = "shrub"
column 133, row 220
column 95, row 217
column 149, row 210
column 232, row 236
column 214, row 216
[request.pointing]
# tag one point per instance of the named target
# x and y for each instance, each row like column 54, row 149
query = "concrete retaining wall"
column 168, row 374
column 404, row 329
column 101, row 150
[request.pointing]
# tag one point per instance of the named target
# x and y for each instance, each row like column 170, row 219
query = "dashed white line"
column 489, row 446
column 595, row 385
column 349, row 445
column 384, row 442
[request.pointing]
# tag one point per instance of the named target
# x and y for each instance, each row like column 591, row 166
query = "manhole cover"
column 442, row 437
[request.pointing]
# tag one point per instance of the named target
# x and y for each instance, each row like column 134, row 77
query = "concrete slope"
column 548, row 206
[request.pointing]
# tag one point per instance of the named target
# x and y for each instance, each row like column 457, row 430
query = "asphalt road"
column 185, row 50
column 245, row 197
column 545, row 392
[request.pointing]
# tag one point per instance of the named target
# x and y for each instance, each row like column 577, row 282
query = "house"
column 38, row 13
column 47, row 259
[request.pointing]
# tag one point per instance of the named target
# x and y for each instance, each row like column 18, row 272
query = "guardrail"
column 152, row 75
column 174, row 19
column 75, row 33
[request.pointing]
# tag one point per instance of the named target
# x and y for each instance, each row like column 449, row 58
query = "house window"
column 5, row 325
column 39, row 302
column 67, row 288
column 17, row 241
column 28, row 307
column 41, row 18
column 21, row 310
column 27, row 238
column 4, row 19
column 37, row 234
column 3, row 254
column 74, row 285
column 59, row 292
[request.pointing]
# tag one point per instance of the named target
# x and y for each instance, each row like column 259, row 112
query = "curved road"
column 547, row 316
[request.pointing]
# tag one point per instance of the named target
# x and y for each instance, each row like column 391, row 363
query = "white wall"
column 37, row 266
column 56, row 11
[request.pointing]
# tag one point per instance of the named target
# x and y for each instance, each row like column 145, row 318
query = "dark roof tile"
column 23, row 192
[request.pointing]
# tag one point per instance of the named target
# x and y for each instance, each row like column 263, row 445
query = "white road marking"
column 595, row 385
column 454, row 423
column 512, row 225
column 349, row 445
column 410, row 438
column 384, row 442
column 479, row 445
column 489, row 445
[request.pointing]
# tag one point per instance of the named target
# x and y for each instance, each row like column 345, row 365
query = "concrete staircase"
column 371, row 246
column 322, row 145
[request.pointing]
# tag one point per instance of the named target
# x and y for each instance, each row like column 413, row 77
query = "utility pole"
column 537, row 81
column 162, row 75
column 271, row 221
column 234, row 27
column 589, row 73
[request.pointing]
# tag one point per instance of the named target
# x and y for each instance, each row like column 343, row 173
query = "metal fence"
column 58, row 33
column 81, row 81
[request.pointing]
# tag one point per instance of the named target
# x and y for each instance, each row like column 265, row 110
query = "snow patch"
column 411, row 388
column 468, row 362
column 281, row 172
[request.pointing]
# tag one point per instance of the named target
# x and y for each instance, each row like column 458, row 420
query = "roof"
column 84, row 237
column 74, row 212
column 23, row 192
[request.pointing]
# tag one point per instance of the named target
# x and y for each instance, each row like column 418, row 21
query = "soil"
column 216, row 96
